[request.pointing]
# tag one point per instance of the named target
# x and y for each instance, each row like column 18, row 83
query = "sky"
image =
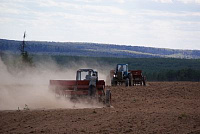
column 152, row 23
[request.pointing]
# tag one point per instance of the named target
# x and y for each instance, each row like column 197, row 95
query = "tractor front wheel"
column 130, row 79
column 113, row 82
column 127, row 82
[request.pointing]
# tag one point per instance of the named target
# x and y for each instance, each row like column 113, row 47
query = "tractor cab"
column 122, row 68
column 85, row 74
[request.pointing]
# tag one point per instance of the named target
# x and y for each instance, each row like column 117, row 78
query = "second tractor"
column 121, row 75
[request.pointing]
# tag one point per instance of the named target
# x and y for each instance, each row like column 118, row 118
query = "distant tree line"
column 174, row 75
column 155, row 69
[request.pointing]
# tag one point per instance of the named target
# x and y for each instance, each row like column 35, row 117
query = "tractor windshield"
column 84, row 75
column 122, row 68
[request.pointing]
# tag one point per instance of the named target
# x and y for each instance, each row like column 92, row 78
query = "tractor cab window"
column 122, row 68
column 85, row 75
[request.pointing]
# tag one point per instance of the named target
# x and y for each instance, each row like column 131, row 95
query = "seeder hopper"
column 79, row 88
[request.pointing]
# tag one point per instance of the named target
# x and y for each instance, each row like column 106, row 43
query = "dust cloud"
column 29, row 87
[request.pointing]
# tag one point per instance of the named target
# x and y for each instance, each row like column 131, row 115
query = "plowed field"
column 160, row 107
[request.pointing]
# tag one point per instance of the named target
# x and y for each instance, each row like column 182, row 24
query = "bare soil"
column 159, row 107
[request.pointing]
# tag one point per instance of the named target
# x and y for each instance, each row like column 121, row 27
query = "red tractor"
column 80, row 87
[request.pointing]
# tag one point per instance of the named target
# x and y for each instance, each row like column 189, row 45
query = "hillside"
column 96, row 50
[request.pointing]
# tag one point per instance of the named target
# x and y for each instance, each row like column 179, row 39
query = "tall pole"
column 23, row 43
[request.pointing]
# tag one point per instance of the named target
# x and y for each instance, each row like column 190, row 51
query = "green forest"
column 155, row 69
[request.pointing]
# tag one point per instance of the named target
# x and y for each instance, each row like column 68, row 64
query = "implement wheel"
column 144, row 81
column 108, row 98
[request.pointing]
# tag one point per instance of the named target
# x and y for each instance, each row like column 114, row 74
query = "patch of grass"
column 182, row 116
column 134, row 100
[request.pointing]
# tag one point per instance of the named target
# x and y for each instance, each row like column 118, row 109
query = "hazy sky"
column 151, row 23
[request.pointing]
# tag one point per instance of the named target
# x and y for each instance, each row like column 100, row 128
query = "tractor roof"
column 122, row 64
column 85, row 70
